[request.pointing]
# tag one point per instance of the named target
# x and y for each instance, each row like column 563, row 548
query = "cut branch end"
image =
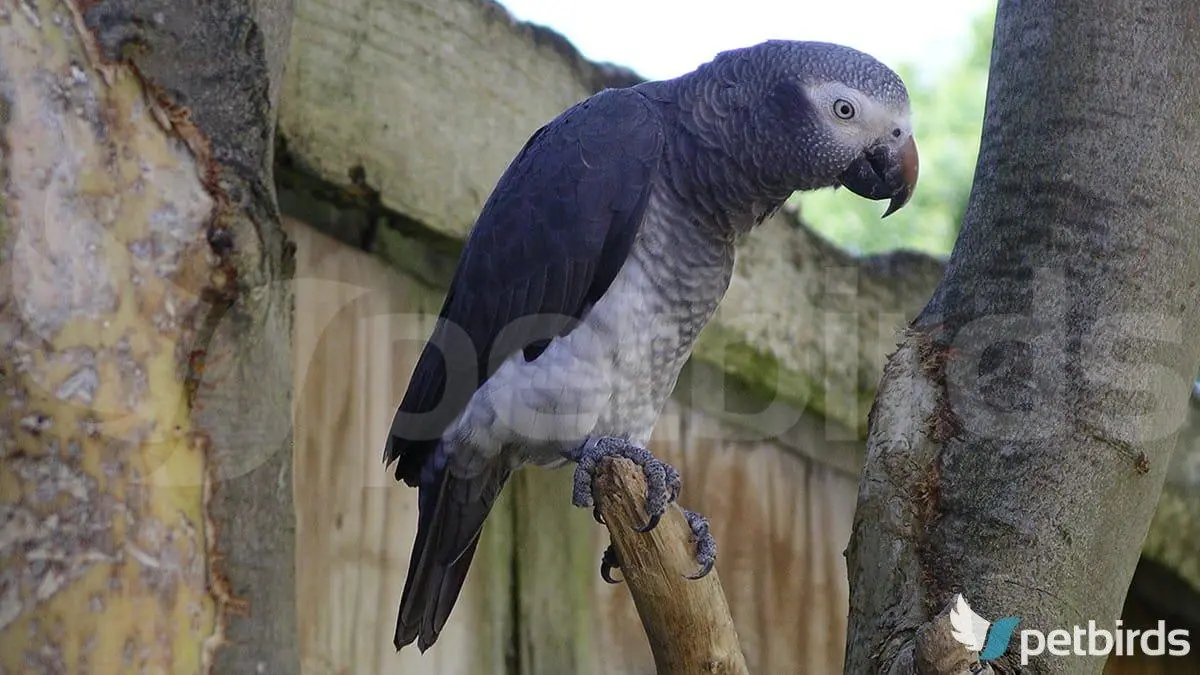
column 687, row 621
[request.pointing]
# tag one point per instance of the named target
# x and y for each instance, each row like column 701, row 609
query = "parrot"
column 599, row 256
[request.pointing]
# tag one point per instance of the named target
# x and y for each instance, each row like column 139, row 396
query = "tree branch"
column 687, row 621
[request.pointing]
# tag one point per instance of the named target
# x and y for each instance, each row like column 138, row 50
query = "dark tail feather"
column 451, row 515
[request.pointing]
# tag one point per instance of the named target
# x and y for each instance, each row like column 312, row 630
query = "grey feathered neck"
column 710, row 168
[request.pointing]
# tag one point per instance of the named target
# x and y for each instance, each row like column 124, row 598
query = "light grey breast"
column 613, row 373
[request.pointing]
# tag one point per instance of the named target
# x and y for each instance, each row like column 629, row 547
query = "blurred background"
column 396, row 119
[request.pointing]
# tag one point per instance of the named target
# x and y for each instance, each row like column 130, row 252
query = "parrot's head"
column 815, row 114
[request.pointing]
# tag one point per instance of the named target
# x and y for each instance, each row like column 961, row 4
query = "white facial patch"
column 856, row 119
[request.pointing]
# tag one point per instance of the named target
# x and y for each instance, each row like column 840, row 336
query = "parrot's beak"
column 884, row 172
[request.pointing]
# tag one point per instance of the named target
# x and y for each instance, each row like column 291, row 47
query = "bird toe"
column 663, row 483
column 609, row 562
column 706, row 545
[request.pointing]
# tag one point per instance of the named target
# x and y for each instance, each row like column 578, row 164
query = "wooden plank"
column 355, row 524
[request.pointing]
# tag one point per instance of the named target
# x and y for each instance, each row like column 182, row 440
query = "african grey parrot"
column 603, row 251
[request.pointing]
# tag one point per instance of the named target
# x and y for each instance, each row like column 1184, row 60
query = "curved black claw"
column 662, row 480
column 650, row 524
column 609, row 562
column 597, row 515
column 706, row 545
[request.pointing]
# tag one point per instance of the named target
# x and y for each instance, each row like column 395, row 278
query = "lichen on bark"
column 142, row 264
column 103, row 256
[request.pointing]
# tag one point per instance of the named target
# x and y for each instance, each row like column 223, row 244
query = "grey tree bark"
column 1021, row 433
column 146, row 518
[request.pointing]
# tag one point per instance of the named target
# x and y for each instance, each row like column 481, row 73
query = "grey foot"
column 662, row 480
column 662, row 488
column 706, row 546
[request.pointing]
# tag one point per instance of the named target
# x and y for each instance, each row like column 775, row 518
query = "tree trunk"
column 1021, row 433
column 145, row 320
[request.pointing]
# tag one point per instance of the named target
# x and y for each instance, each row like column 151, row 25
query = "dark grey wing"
column 549, row 241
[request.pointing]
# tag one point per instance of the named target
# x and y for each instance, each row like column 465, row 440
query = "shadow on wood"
column 687, row 621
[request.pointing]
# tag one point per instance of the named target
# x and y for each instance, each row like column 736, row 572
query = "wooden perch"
column 687, row 621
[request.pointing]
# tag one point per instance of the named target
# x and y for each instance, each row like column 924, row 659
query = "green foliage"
column 948, row 121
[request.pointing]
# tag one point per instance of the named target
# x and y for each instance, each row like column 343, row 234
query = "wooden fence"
column 534, row 603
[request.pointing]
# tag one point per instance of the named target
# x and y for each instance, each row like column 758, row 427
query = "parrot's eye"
column 843, row 108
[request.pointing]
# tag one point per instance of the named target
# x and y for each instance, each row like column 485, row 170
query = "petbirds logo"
column 991, row 638
column 977, row 633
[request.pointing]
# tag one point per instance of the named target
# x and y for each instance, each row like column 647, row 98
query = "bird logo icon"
column 966, row 626
column 977, row 633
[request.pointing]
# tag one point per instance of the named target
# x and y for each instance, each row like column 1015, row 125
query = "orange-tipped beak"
column 910, row 168
column 885, row 173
